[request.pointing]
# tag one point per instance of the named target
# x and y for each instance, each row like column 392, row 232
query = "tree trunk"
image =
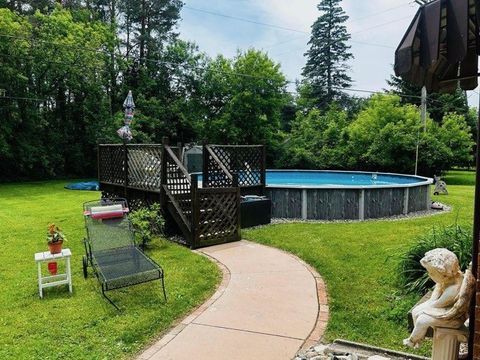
column 113, row 77
column 143, row 23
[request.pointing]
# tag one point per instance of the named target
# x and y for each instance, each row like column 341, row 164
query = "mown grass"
column 359, row 260
column 82, row 325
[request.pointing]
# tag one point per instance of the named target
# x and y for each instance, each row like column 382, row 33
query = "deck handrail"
column 178, row 163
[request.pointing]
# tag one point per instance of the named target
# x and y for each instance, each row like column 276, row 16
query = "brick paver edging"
column 323, row 310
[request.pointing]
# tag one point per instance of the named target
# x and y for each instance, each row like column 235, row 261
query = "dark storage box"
column 255, row 211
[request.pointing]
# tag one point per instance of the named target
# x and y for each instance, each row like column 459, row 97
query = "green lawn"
column 358, row 262
column 82, row 325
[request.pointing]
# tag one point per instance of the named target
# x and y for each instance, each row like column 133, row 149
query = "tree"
column 316, row 140
column 173, row 105
column 58, row 109
column 384, row 138
column 244, row 98
column 326, row 70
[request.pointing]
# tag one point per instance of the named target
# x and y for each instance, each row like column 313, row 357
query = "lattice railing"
column 217, row 216
column 111, row 164
column 217, row 172
column 144, row 166
column 137, row 199
column 133, row 166
column 225, row 162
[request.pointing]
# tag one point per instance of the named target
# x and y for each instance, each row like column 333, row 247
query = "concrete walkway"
column 269, row 305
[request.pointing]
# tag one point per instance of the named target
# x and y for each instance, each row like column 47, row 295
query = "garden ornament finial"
column 129, row 105
column 448, row 307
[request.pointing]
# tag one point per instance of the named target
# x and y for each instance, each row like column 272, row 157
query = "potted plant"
column 55, row 239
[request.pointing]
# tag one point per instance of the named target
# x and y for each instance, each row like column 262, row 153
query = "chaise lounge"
column 111, row 250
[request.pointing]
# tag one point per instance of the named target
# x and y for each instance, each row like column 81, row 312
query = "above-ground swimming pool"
column 339, row 195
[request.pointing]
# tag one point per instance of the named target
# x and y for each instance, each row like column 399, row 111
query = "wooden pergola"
column 440, row 51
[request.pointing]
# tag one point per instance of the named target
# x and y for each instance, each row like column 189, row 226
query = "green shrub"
column 412, row 276
column 148, row 222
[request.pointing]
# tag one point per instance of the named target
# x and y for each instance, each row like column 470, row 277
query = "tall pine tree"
column 326, row 71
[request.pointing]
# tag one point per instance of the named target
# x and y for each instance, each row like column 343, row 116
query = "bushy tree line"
column 332, row 130
column 66, row 70
column 383, row 136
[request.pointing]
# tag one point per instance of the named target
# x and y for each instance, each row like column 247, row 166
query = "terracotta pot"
column 56, row 247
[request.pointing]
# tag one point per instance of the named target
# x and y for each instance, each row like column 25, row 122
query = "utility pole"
column 424, row 109
column 423, row 117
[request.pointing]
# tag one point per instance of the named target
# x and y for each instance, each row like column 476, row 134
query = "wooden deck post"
column 263, row 179
column 99, row 172
column 125, row 168
column 205, row 169
column 163, row 174
column 195, row 211
column 475, row 307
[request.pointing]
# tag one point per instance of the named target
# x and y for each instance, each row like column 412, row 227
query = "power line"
column 381, row 12
column 153, row 61
column 352, row 21
column 21, row 98
column 377, row 92
column 278, row 27
column 381, row 25
column 356, row 42
column 230, row 73
column 32, row 40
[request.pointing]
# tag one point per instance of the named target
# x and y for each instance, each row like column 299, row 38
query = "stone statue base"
column 446, row 342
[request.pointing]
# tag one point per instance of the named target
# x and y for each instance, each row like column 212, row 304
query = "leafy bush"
column 384, row 137
column 148, row 222
column 412, row 275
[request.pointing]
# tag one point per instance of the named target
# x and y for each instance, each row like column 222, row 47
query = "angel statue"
column 448, row 307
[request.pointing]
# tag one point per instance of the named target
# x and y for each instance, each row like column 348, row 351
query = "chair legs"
column 109, row 300
column 163, row 287
column 116, row 307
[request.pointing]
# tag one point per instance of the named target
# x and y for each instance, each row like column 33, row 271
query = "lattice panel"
column 245, row 161
column 216, row 177
column 144, row 167
column 218, row 218
column 111, row 164
column 138, row 199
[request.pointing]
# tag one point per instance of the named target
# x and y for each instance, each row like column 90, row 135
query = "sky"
column 376, row 26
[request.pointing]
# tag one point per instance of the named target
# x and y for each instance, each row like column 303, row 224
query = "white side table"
column 55, row 280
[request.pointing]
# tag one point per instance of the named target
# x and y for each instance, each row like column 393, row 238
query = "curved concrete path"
column 268, row 306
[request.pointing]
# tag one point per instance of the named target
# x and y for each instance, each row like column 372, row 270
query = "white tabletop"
column 44, row 256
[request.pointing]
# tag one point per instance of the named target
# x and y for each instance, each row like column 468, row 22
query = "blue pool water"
column 332, row 178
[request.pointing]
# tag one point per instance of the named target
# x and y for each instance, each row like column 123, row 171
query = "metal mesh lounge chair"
column 111, row 250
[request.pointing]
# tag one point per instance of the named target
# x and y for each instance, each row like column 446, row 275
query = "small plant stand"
column 55, row 280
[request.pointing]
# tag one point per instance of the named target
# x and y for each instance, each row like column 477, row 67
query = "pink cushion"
column 108, row 215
